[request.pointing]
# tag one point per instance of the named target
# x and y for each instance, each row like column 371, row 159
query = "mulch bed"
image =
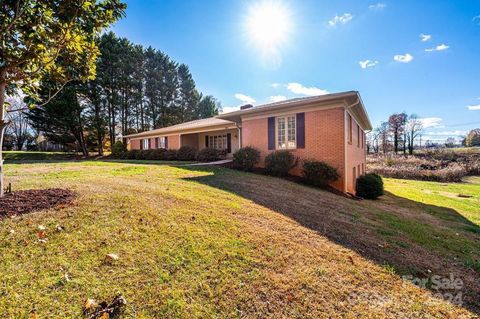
column 27, row 201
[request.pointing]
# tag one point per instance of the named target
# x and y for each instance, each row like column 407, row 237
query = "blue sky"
column 421, row 57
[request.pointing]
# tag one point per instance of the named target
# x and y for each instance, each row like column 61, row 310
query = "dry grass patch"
column 204, row 243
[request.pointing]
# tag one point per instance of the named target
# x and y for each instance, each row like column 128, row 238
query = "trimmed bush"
column 118, row 149
column 208, row 155
column 279, row 163
column 170, row 155
column 319, row 173
column 186, row 153
column 246, row 158
column 370, row 186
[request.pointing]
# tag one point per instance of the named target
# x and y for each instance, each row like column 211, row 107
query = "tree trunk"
column 2, row 125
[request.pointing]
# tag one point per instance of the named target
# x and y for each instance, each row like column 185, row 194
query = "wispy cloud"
column 425, row 37
column 275, row 85
column 277, row 98
column 473, row 107
column 447, row 133
column 367, row 64
column 298, row 88
column 343, row 19
column 440, row 47
column 377, row 7
column 431, row 122
column 244, row 98
column 403, row 58
column 476, row 19
column 228, row 109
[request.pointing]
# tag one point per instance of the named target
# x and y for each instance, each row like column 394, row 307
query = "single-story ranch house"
column 329, row 128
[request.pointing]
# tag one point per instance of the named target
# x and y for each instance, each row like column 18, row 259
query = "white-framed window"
column 286, row 132
column 218, row 142
column 162, row 142
column 146, row 144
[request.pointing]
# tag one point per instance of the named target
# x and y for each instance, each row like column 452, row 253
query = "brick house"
column 329, row 128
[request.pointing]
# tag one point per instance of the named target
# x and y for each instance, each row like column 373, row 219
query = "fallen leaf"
column 41, row 227
column 104, row 316
column 33, row 315
column 41, row 234
column 89, row 304
column 112, row 257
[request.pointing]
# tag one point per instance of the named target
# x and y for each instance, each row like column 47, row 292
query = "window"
column 218, row 142
column 163, row 142
column 358, row 135
column 286, row 132
column 349, row 128
column 146, row 144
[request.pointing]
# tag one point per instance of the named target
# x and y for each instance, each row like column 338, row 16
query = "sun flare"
column 268, row 24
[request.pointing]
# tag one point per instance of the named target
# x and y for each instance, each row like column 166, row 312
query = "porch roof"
column 203, row 125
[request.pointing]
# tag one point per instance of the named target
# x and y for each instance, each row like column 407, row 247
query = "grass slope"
column 217, row 243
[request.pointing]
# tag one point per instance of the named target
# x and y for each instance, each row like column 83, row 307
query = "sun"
column 268, row 24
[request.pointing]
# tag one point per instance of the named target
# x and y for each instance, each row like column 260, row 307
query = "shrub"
column 208, row 155
column 370, row 186
column 186, row 153
column 156, row 154
column 118, row 149
column 319, row 173
column 279, row 163
column 246, row 158
column 170, row 155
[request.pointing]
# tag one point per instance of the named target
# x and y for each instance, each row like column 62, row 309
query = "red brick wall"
column 173, row 142
column 324, row 139
column 356, row 154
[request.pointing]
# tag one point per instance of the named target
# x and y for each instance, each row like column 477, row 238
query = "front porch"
column 225, row 139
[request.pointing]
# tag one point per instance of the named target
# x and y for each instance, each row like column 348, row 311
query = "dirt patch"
column 27, row 201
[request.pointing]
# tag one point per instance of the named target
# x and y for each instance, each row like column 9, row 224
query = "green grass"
column 442, row 195
column 209, row 242
column 12, row 156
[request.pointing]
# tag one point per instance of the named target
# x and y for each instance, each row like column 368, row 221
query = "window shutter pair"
column 300, row 131
column 149, row 143
column 206, row 141
column 141, row 144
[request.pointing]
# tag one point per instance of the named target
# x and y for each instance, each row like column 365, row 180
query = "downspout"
column 239, row 128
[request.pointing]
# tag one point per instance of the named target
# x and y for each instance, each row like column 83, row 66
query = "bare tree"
column 18, row 125
column 396, row 124
column 383, row 133
column 413, row 128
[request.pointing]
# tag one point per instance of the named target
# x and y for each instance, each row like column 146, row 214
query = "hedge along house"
column 329, row 128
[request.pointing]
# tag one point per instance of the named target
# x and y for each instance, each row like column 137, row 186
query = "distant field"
column 210, row 242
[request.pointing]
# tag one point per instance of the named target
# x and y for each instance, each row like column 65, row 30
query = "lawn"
column 209, row 242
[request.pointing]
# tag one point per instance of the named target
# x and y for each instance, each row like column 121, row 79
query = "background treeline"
column 135, row 89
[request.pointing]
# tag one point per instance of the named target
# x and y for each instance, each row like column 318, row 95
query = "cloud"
column 403, row 58
column 277, row 98
column 298, row 88
column 431, row 122
column 343, row 19
column 244, row 98
column 275, row 85
column 367, row 64
column 447, row 133
column 228, row 109
column 474, row 107
column 476, row 19
column 440, row 47
column 377, row 7
column 425, row 37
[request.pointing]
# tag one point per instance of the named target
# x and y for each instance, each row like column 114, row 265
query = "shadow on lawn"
column 385, row 231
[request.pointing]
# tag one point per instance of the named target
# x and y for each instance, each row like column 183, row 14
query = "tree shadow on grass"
column 413, row 238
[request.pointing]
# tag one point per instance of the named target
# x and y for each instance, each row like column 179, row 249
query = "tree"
column 62, row 119
column 413, row 129
column 473, row 138
column 450, row 142
column 207, row 107
column 396, row 124
column 19, row 128
column 54, row 37
column 188, row 96
column 383, row 133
